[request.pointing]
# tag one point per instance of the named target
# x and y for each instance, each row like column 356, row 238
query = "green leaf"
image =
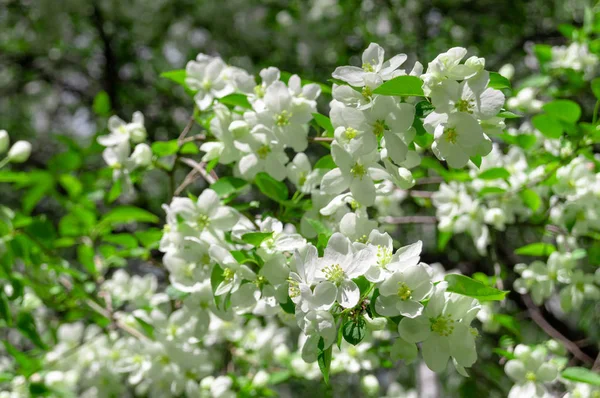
column 235, row 100
column 401, row 86
column 547, row 125
column 564, row 110
column 127, row 214
column 279, row 377
column 85, row 255
column 37, row 193
column 596, row 87
column 115, row 191
column 498, row 81
column 491, row 191
column 176, row 294
column 543, row 52
column 272, row 188
column 324, row 122
column 494, row 174
column 26, row 325
column 476, row 160
column 538, row 249
column 178, row 76
column 256, row 238
column 324, row 359
column 354, row 331
column 326, row 162
column 211, row 164
column 466, row 286
column 289, row 306
column 101, row 104
column 319, row 227
column 71, row 184
column 165, row 148
column 189, row 148
column 508, row 115
column 531, row 199
column 228, row 185
column 443, row 239
column 581, row 375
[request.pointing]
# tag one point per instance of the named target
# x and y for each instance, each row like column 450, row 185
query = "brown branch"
column 186, row 130
column 539, row 319
column 410, row 220
column 111, row 69
column 320, row 139
column 211, row 178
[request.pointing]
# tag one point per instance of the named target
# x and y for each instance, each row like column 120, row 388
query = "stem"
column 4, row 162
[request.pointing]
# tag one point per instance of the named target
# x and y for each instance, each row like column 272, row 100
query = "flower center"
column 464, row 106
column 384, row 255
column 530, row 376
column 302, row 178
column 450, row 134
column 228, row 274
column 263, row 151
column 294, row 288
column 350, row 133
column 203, row 221
column 206, row 85
column 363, row 239
column 379, row 127
column 259, row 91
column 367, row 67
column 442, row 325
column 403, row 291
column 358, row 170
column 334, row 273
column 283, row 119
column 367, row 92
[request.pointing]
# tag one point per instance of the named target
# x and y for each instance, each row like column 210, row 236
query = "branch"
column 211, row 178
column 186, row 130
column 539, row 319
column 410, row 220
column 111, row 73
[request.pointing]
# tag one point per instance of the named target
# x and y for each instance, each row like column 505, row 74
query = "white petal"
column 348, row 294
column 414, row 330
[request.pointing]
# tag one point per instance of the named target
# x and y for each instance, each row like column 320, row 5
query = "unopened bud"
column 19, row 152
column 4, row 141
column 142, row 155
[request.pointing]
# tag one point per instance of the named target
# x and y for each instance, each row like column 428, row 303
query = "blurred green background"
column 59, row 58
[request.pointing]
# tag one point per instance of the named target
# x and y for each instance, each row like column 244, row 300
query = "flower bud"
column 260, row 379
column 370, row 385
column 4, row 141
column 475, row 63
column 507, row 70
column 405, row 179
column 142, row 155
column 375, row 323
column 19, row 152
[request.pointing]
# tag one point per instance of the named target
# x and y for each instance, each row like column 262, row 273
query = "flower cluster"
column 118, row 155
column 541, row 279
column 493, row 200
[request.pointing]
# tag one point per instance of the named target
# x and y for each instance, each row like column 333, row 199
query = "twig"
column 197, row 137
column 320, row 139
column 190, row 178
column 410, row 220
column 186, row 130
column 539, row 319
column 200, row 167
column 429, row 180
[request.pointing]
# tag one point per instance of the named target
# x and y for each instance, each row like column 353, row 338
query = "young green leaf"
column 466, row 286
column 538, row 249
column 564, row 110
column 581, row 375
column 272, row 188
column 401, row 86
column 531, row 199
column 498, row 81
column 256, row 238
column 324, row 122
column 494, row 174
column 324, row 359
column 354, row 331
column 228, row 185
column 547, row 125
